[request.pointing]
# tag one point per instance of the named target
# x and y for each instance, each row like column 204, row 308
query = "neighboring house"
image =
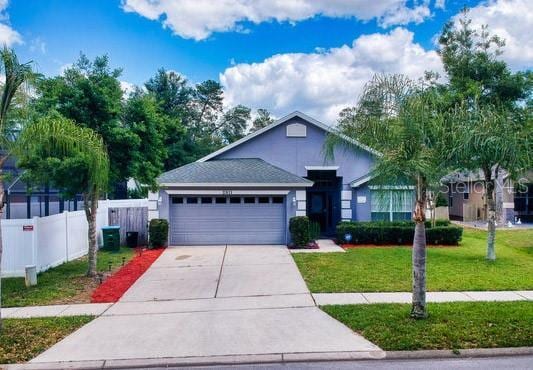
column 23, row 202
column 466, row 197
column 247, row 191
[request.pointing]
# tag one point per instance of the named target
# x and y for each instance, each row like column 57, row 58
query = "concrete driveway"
column 208, row 301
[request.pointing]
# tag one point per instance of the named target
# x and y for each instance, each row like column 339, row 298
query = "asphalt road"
column 509, row 363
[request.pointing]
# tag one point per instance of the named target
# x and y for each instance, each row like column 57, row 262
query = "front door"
column 323, row 200
column 318, row 210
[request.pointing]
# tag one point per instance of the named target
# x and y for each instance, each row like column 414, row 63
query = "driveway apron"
column 207, row 301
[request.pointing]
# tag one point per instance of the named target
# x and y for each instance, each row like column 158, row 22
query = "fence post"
column 66, row 236
column 35, row 243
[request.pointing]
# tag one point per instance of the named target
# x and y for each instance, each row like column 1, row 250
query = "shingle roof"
column 243, row 171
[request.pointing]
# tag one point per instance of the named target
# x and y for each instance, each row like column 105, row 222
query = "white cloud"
column 8, row 36
column 198, row 19
column 405, row 15
column 3, row 5
column 64, row 67
column 127, row 87
column 513, row 21
column 324, row 83
column 38, row 44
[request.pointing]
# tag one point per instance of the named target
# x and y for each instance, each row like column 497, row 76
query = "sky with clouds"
column 282, row 55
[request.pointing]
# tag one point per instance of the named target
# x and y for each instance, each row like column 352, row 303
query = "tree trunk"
column 419, row 309
column 1, row 240
column 2, row 201
column 491, row 218
column 90, row 202
column 433, row 207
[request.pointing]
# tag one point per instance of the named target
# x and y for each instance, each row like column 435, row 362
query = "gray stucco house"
column 246, row 192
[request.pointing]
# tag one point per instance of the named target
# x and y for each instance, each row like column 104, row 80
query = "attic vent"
column 296, row 130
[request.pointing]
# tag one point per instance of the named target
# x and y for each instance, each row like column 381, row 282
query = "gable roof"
column 280, row 121
column 471, row 176
column 232, row 172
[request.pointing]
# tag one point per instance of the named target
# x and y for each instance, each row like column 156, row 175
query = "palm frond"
column 54, row 135
column 16, row 74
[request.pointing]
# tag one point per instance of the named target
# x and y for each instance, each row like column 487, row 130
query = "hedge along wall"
column 383, row 233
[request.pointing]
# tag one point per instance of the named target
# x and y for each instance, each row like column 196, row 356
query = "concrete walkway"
column 256, row 302
column 60, row 310
column 324, row 246
column 323, row 299
column 204, row 302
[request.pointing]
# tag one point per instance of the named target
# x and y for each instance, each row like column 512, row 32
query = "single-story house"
column 467, row 197
column 246, row 192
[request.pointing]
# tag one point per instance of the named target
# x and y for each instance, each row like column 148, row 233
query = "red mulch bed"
column 351, row 246
column 116, row 285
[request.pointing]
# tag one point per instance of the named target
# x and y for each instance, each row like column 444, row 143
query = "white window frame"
column 389, row 190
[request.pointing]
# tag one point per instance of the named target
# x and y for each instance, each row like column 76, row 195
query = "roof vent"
column 296, row 130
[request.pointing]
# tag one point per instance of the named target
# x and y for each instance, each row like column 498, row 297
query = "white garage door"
column 207, row 220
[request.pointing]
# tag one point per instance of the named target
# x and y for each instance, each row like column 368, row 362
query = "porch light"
column 294, row 201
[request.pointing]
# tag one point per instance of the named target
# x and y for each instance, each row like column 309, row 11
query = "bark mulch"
column 116, row 285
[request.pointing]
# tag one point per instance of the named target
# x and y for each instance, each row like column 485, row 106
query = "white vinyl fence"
column 50, row 241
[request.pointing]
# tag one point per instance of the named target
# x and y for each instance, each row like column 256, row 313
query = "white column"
column 301, row 203
column 153, row 206
column 346, row 205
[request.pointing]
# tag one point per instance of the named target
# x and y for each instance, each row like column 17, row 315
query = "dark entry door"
column 323, row 200
column 318, row 210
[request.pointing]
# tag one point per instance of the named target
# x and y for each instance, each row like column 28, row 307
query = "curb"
column 200, row 361
column 271, row 358
column 460, row 353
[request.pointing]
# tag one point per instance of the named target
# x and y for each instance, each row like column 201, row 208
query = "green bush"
column 299, row 228
column 314, row 230
column 441, row 201
column 444, row 235
column 158, row 231
column 399, row 232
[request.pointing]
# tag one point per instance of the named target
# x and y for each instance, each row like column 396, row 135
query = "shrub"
column 314, row 230
column 441, row 201
column 299, row 228
column 158, row 231
column 444, row 235
column 400, row 232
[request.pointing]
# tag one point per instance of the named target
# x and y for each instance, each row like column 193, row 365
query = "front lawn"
column 456, row 325
column 23, row 339
column 66, row 283
column 388, row 269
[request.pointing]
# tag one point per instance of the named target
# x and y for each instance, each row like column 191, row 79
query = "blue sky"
column 234, row 41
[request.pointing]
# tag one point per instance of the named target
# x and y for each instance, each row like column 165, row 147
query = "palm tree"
column 55, row 136
column 397, row 117
column 492, row 138
column 16, row 74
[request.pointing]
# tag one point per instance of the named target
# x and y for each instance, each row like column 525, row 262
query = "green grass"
column 66, row 283
column 23, row 339
column 456, row 325
column 388, row 269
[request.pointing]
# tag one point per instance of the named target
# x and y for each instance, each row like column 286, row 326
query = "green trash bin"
column 111, row 236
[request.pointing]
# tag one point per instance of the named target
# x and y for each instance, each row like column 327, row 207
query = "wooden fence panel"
column 130, row 219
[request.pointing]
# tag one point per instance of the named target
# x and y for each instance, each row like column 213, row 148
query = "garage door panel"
column 227, row 223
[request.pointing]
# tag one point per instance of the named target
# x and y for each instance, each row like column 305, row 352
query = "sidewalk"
column 61, row 310
column 323, row 299
column 324, row 245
